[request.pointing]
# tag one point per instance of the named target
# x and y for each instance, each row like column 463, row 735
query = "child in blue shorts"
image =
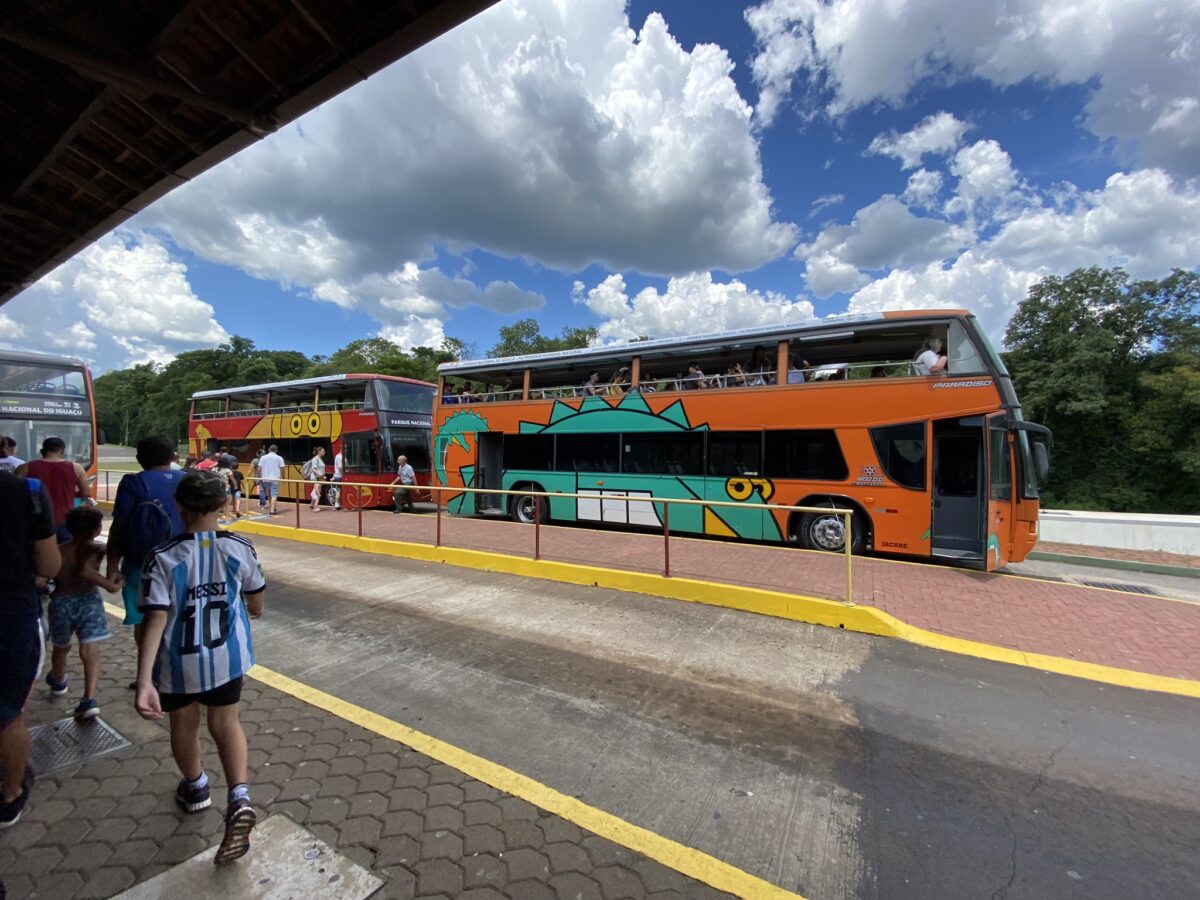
column 77, row 609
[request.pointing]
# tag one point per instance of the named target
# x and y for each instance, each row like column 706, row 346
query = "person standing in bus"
column 314, row 471
column 29, row 555
column 64, row 480
column 403, row 482
column 931, row 360
column 270, row 467
column 339, row 475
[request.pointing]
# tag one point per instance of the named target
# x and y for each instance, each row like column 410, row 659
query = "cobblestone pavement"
column 1112, row 628
column 425, row 828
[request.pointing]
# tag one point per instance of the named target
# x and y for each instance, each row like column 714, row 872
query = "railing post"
column 360, row 506
column 666, row 539
column 297, row 508
column 849, row 554
column 107, row 487
column 537, row 527
column 437, row 541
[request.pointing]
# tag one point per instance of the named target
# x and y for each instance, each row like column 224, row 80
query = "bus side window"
column 901, row 452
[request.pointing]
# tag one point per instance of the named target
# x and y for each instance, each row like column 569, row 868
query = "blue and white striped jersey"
column 200, row 579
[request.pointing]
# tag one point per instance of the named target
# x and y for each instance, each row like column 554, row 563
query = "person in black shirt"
column 28, row 558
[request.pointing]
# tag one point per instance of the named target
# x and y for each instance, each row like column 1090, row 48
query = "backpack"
column 148, row 526
column 306, row 470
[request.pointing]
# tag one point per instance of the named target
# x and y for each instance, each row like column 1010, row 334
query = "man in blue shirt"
column 144, row 515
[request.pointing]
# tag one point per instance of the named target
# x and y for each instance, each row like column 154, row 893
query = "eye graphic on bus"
column 743, row 488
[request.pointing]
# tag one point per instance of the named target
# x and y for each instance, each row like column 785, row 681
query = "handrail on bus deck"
column 847, row 515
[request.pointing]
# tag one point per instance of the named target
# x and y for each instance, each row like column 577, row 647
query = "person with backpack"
column 144, row 516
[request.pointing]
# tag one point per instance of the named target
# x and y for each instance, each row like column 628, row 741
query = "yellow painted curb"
column 796, row 607
column 690, row 862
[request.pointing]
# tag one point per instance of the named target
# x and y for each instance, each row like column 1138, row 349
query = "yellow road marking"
column 796, row 607
column 693, row 863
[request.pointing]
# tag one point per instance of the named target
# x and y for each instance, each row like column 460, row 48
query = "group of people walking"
column 175, row 570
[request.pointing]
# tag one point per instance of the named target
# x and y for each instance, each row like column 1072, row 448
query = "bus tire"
column 827, row 531
column 521, row 507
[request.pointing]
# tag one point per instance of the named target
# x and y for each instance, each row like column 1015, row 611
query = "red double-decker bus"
column 370, row 419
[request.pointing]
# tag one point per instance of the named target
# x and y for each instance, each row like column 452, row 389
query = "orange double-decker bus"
column 370, row 419
column 831, row 413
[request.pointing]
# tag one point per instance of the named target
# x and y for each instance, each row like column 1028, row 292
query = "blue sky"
column 668, row 168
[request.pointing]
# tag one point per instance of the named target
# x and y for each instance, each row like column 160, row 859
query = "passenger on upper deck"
column 591, row 387
column 466, row 395
column 796, row 367
column 931, row 360
column 695, row 378
column 450, row 396
column 619, row 382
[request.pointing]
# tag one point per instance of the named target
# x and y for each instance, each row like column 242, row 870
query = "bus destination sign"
column 408, row 421
column 42, row 406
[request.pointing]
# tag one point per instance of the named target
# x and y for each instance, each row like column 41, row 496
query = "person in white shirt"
column 931, row 360
column 339, row 473
column 316, row 474
column 405, row 478
column 270, row 467
column 9, row 461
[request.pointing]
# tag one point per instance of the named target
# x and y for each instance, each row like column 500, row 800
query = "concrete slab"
column 285, row 861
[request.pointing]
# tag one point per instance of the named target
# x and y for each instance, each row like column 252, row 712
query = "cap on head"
column 201, row 492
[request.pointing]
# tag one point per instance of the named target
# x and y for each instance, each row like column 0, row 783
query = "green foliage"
column 524, row 337
column 1112, row 366
column 149, row 399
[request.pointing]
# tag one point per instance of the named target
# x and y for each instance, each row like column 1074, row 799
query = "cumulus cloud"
column 984, row 171
column 1139, row 59
column 1142, row 221
column 937, row 134
column 883, row 234
column 922, row 188
column 121, row 301
column 690, row 304
column 540, row 130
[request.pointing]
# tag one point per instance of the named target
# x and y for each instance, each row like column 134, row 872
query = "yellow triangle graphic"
column 714, row 524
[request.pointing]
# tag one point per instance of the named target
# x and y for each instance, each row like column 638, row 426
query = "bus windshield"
column 400, row 396
column 41, row 380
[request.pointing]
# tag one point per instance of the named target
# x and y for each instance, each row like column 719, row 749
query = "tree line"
column 1109, row 363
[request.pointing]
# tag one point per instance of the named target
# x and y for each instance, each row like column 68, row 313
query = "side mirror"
column 1041, row 460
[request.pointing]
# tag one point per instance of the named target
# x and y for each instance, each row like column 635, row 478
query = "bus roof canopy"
column 832, row 329
column 298, row 388
column 43, row 359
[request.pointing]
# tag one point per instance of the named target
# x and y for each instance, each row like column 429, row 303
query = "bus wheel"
column 827, row 531
column 524, row 507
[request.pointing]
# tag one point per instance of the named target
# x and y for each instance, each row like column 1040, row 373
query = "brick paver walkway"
column 425, row 828
column 1140, row 633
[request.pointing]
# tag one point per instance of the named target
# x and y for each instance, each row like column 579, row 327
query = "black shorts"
column 227, row 694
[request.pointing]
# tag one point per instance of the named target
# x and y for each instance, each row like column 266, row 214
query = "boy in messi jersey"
column 199, row 592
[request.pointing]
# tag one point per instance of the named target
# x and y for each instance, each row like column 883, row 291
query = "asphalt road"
column 833, row 764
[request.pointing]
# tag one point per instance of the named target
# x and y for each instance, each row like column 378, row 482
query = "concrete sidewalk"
column 424, row 828
column 1112, row 628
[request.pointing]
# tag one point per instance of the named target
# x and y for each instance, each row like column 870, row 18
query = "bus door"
column 959, row 489
column 490, row 475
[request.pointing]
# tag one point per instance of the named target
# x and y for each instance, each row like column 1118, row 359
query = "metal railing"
column 540, row 497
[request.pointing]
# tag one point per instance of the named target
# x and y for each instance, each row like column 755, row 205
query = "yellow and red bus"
column 370, row 419
column 48, row 396
column 829, row 413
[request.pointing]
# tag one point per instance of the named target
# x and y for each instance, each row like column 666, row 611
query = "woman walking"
column 316, row 474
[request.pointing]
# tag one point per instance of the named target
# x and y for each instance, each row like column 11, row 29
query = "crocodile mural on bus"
column 609, row 496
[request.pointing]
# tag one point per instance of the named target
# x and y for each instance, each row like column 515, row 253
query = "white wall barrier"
column 1127, row 531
